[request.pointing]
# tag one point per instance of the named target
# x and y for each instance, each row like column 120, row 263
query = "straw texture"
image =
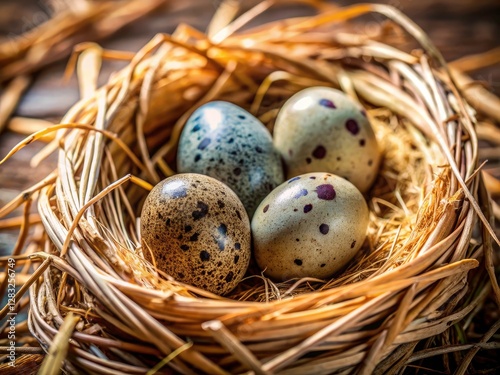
column 421, row 270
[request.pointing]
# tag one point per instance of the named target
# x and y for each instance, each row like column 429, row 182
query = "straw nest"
column 420, row 271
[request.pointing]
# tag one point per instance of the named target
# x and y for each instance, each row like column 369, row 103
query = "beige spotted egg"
column 310, row 226
column 321, row 129
column 197, row 231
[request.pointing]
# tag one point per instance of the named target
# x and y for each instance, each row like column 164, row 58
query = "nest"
column 420, row 271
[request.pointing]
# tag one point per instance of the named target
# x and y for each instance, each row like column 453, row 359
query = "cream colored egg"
column 321, row 129
column 309, row 226
column 197, row 231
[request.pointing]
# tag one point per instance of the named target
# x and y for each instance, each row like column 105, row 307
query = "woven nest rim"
column 416, row 299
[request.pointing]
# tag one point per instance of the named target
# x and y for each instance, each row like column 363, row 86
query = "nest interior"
column 420, row 271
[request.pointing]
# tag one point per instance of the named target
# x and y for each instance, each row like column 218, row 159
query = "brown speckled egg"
column 310, row 226
column 321, row 129
column 198, row 232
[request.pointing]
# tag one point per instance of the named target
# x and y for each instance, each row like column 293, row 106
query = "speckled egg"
column 197, row 231
column 310, row 226
column 224, row 141
column 321, row 129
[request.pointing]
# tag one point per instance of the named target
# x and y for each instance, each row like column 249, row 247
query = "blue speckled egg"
column 321, row 129
column 225, row 142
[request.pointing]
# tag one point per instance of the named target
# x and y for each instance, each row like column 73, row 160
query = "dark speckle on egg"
column 204, row 256
column 201, row 212
column 204, row 143
column 352, row 126
column 324, row 228
column 327, row 103
column 266, row 207
column 197, row 158
column 319, row 152
column 293, row 179
column 326, row 192
column 298, row 262
column 308, row 208
column 362, row 142
column 353, row 244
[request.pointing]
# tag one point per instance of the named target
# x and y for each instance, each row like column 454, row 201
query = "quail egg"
column 196, row 230
column 321, row 129
column 310, row 226
column 226, row 142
